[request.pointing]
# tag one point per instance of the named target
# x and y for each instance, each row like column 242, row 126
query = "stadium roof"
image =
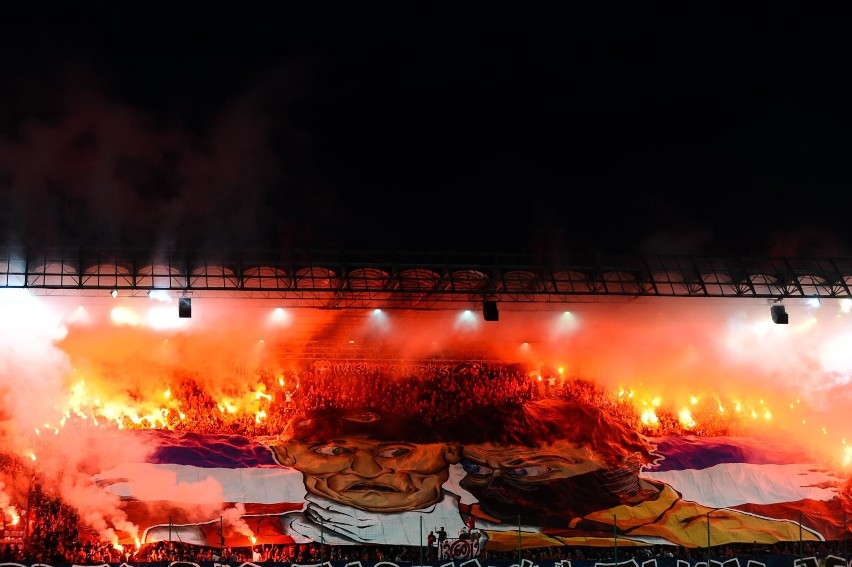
column 421, row 280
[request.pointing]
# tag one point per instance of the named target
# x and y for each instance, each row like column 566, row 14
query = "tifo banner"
column 743, row 561
column 552, row 473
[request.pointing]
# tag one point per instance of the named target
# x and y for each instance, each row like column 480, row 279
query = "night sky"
column 480, row 127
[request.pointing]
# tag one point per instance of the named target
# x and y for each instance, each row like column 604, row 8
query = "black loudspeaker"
column 779, row 315
column 489, row 311
column 184, row 307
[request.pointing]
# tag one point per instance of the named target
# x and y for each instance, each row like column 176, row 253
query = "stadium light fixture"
column 779, row 315
column 184, row 307
column 490, row 311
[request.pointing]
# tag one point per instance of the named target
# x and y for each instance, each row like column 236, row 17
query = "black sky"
column 500, row 126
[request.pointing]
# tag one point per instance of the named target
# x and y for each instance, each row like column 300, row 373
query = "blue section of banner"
column 682, row 453
column 209, row 451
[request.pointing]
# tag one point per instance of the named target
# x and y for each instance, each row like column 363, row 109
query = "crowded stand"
column 49, row 531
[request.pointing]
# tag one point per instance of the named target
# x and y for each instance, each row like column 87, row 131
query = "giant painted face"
column 542, row 486
column 377, row 476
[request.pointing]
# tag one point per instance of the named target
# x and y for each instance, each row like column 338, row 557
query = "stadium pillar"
column 520, row 545
column 615, row 539
column 708, row 539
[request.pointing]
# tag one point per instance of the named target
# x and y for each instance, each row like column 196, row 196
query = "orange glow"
column 650, row 418
column 686, row 419
column 699, row 370
column 10, row 515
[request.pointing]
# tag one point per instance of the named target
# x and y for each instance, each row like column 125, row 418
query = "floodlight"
column 779, row 315
column 489, row 311
column 184, row 307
